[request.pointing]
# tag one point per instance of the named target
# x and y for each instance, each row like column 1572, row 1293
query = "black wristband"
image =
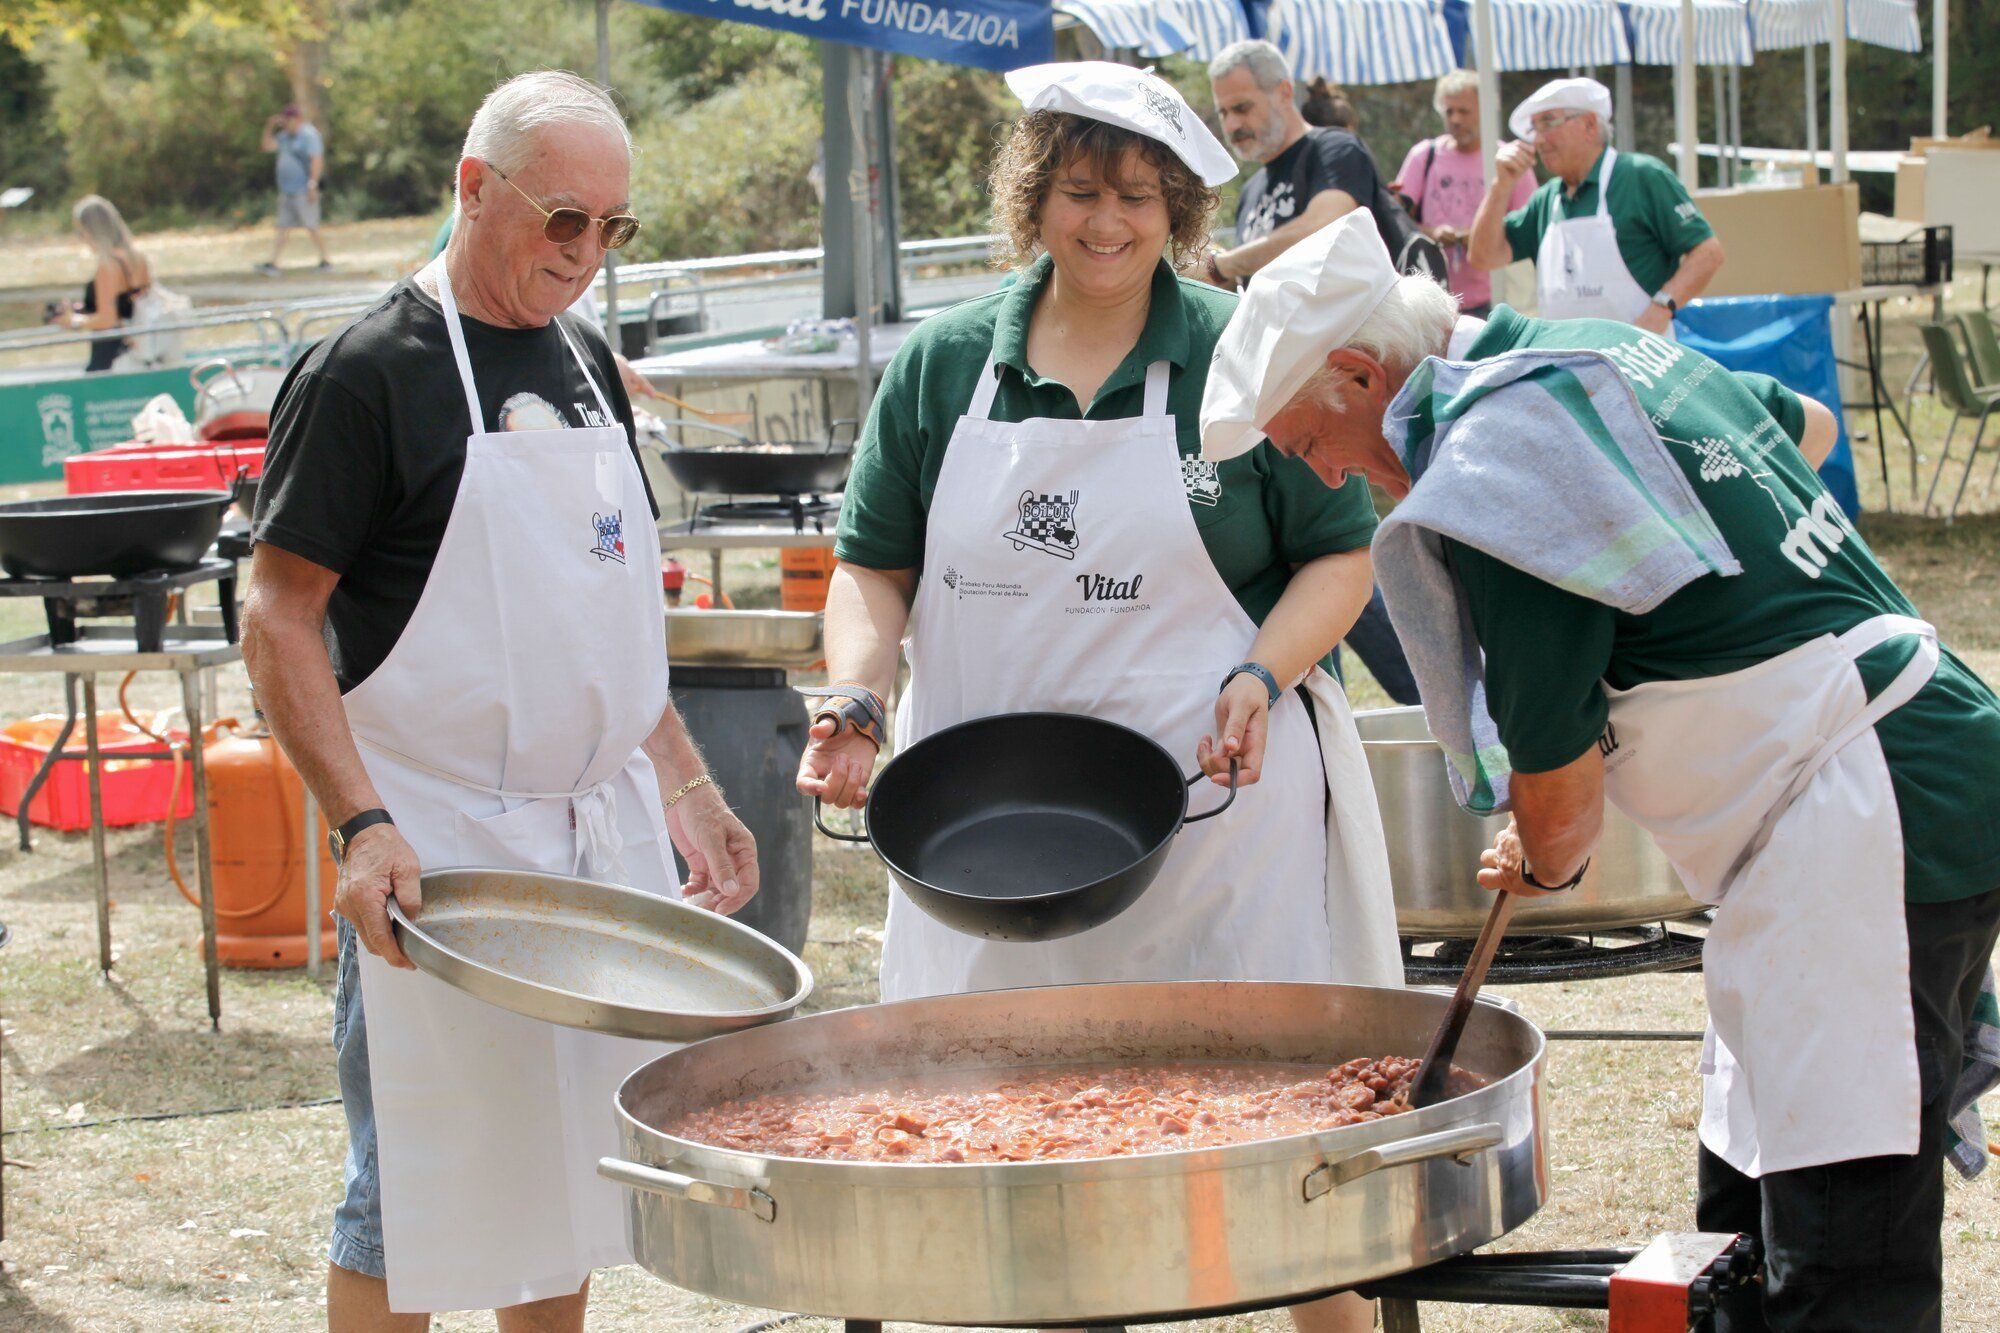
column 337, row 839
column 1261, row 672
column 1528, row 878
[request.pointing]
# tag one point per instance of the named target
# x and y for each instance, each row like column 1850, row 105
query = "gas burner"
column 143, row 599
column 1535, row 958
column 802, row 513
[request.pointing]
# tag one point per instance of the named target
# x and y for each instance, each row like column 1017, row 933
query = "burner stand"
column 1532, row 959
column 143, row 597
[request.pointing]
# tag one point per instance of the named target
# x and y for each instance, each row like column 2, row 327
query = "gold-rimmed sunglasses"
column 563, row 225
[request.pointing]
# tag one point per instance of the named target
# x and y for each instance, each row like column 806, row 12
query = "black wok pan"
column 1028, row 826
column 120, row 534
column 745, row 467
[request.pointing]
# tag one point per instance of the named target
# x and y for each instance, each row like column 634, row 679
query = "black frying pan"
column 745, row 467
column 120, row 533
column 1028, row 826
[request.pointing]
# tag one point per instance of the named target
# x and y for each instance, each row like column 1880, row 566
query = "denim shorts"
column 357, row 1222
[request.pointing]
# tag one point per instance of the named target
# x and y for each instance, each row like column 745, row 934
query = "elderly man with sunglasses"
column 456, row 632
column 1613, row 235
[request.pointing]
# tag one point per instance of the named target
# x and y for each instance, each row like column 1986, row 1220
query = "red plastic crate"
column 147, row 467
column 135, row 791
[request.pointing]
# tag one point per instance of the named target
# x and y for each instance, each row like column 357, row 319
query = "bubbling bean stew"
column 1064, row 1112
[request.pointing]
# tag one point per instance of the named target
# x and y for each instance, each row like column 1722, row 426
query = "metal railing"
column 680, row 286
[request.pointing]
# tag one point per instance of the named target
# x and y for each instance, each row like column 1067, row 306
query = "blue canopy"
column 1362, row 41
column 1548, row 34
column 987, row 34
column 1157, row 28
column 1721, row 32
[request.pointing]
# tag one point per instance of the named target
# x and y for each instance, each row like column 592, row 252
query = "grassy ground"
column 211, row 1211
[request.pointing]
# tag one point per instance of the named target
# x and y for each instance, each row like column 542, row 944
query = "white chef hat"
column 1561, row 95
column 1132, row 99
column 1299, row 307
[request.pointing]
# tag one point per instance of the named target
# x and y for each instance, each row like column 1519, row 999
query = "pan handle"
column 1229, row 800
column 1460, row 1144
column 655, row 1181
column 820, row 824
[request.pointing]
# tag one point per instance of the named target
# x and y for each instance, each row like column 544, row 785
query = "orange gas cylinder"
column 803, row 576
column 256, row 814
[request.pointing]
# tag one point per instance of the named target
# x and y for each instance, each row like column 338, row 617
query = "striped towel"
column 1965, row 1136
column 1547, row 461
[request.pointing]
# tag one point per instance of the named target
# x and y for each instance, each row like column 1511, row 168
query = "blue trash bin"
column 1789, row 338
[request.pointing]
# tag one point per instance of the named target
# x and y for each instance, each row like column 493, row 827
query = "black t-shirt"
column 1325, row 159
column 368, row 443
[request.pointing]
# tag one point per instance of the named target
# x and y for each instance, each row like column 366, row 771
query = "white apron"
column 1768, row 791
column 1579, row 273
column 1063, row 570
column 503, row 730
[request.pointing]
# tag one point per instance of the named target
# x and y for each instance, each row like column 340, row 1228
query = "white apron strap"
column 455, row 329
column 597, row 840
column 610, row 417
column 981, row 406
column 1604, row 182
column 1156, row 389
column 457, row 334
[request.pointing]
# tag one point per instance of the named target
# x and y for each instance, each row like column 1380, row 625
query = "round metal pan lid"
column 598, row 956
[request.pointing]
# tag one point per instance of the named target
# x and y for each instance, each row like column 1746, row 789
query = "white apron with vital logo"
column 503, row 730
column 1579, row 273
column 1768, row 791
column 1063, row 570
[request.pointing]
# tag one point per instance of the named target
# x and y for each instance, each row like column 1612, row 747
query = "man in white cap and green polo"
column 1613, row 235
column 1618, row 577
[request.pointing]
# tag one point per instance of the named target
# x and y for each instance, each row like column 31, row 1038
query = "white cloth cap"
column 1133, row 99
column 1299, row 307
column 1561, row 95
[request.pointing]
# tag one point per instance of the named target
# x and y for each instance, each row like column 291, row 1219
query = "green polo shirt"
column 1259, row 514
column 1549, row 652
column 1654, row 219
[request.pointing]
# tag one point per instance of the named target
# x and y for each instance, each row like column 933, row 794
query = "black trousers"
column 1854, row 1245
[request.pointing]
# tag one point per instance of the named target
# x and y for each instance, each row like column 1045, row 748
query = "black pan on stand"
column 1028, row 826
column 744, row 466
column 120, row 533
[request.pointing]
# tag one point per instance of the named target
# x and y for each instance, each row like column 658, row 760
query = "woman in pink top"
column 1442, row 179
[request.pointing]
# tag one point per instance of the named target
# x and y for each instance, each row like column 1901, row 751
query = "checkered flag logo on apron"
column 1047, row 523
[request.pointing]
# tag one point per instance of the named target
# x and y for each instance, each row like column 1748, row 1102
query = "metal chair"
column 1965, row 399
column 1984, row 345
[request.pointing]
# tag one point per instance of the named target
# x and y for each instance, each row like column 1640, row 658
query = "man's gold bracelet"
column 686, row 787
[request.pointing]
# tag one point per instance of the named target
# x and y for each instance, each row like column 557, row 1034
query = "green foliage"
column 950, row 121
column 119, row 27
column 730, row 174
column 31, row 151
column 690, row 58
column 404, row 79
column 170, row 131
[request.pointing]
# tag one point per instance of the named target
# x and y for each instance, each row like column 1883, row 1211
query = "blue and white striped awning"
column 1362, row 41
column 1890, row 23
column 1787, row 25
column 1156, row 28
column 1721, row 32
column 1555, row 34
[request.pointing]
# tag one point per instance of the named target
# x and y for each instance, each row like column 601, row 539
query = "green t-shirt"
column 1655, row 220
column 1736, row 437
column 1264, row 513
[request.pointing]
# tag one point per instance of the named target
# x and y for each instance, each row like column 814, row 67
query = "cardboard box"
column 1786, row 242
column 1962, row 191
column 1909, row 189
column 1979, row 138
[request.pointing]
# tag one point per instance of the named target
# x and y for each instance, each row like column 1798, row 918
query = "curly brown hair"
column 1044, row 142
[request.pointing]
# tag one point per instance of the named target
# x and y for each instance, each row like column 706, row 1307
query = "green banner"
column 45, row 422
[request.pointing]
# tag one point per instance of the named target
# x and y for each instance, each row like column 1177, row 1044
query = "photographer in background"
column 301, row 161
